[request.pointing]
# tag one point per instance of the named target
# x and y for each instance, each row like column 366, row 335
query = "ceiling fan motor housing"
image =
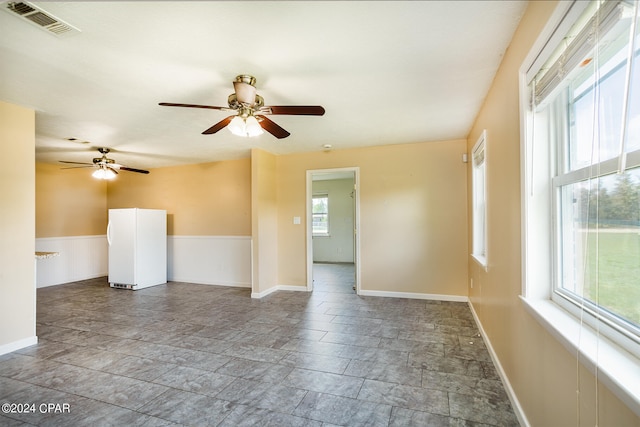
column 103, row 160
column 234, row 104
column 246, row 78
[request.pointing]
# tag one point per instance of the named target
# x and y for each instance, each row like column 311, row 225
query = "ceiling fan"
column 105, row 168
column 251, row 113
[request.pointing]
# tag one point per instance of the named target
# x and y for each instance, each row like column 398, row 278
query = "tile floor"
column 198, row 355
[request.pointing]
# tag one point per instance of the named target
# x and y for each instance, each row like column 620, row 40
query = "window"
column 320, row 214
column 478, row 157
column 585, row 121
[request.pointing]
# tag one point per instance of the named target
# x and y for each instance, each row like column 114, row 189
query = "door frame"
column 356, row 221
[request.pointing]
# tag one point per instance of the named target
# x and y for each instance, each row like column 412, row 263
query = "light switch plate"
column 296, row 220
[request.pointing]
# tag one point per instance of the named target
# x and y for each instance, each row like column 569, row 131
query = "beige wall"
column 17, row 225
column 209, row 199
column 542, row 373
column 264, row 221
column 413, row 216
column 69, row 202
column 413, row 211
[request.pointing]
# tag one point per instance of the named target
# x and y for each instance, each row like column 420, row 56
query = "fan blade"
column 245, row 93
column 76, row 163
column 296, row 110
column 221, row 124
column 210, row 107
column 273, row 128
column 124, row 168
column 77, row 167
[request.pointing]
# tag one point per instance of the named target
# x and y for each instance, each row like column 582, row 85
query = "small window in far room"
column 320, row 212
column 478, row 156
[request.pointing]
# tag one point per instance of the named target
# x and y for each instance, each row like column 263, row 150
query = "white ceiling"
column 387, row 72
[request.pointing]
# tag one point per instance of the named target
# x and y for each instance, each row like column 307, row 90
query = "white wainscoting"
column 81, row 257
column 210, row 260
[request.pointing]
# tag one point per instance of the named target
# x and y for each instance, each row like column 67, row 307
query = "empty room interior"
column 381, row 213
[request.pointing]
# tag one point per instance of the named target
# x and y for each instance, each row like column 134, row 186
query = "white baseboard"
column 414, row 295
column 258, row 295
column 515, row 403
column 17, row 345
column 292, row 288
column 269, row 291
column 386, row 294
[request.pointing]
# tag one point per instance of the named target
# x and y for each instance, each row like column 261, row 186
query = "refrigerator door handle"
column 109, row 233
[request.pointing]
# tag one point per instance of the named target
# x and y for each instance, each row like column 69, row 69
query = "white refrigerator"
column 137, row 241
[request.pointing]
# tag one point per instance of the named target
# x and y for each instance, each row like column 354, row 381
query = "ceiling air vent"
column 39, row 17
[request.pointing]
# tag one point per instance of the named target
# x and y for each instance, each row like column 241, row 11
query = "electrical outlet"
column 472, row 283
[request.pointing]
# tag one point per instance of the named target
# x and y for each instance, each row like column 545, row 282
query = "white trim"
column 252, row 264
column 415, row 295
column 605, row 167
column 480, row 150
column 616, row 368
column 515, row 403
column 292, row 288
column 383, row 294
column 309, row 234
column 71, row 238
column 208, row 237
column 258, row 295
column 17, row 345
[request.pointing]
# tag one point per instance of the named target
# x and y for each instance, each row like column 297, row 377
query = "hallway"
column 334, row 278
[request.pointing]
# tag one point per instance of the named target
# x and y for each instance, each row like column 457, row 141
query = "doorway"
column 333, row 213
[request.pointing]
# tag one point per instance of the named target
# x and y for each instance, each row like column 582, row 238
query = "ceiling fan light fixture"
column 237, row 126
column 253, row 128
column 245, row 127
column 104, row 172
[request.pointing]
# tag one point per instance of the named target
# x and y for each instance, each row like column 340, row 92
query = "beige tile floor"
column 198, row 355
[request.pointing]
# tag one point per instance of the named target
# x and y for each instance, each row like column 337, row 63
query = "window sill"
column 482, row 261
column 618, row 369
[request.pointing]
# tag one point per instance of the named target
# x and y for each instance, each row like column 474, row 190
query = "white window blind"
column 574, row 47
